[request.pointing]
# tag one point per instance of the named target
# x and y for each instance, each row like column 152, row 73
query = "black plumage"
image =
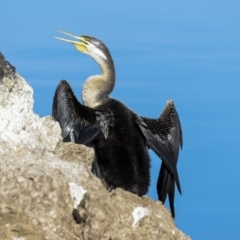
column 119, row 136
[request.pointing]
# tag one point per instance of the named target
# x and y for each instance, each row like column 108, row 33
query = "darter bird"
column 119, row 136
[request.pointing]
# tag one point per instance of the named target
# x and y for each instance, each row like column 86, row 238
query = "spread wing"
column 79, row 124
column 164, row 137
column 72, row 116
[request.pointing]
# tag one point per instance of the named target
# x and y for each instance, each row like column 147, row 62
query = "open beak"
column 80, row 45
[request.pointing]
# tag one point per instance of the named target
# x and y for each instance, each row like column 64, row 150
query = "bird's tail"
column 166, row 186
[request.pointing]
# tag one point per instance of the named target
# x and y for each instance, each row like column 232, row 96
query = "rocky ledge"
column 47, row 190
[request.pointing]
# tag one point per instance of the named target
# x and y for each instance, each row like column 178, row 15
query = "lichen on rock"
column 40, row 176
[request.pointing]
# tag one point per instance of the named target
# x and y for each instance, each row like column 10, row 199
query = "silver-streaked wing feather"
column 164, row 137
column 72, row 116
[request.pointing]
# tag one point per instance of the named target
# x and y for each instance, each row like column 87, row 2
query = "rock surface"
column 47, row 190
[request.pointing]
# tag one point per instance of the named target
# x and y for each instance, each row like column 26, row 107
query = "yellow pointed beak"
column 80, row 45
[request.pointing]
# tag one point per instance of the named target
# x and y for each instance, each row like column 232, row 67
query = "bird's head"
column 91, row 46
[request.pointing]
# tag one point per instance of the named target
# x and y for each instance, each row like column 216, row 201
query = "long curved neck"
column 97, row 88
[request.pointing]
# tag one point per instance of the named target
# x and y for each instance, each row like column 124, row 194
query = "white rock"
column 77, row 193
column 138, row 214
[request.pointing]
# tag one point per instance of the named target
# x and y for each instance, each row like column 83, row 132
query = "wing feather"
column 72, row 116
column 164, row 137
